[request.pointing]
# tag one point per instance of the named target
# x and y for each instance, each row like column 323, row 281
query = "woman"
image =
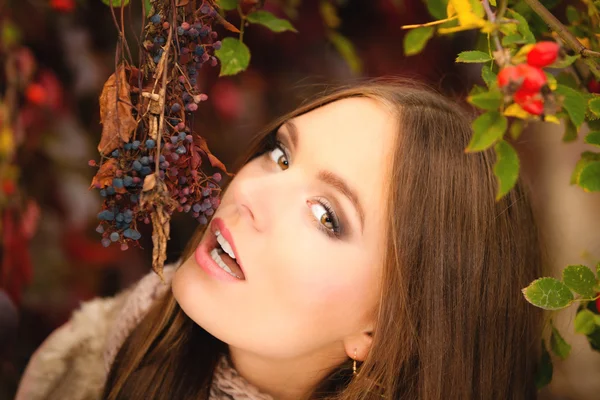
column 357, row 254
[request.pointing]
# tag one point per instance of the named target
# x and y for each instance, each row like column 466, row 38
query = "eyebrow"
column 329, row 178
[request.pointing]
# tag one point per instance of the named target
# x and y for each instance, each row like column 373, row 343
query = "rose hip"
column 542, row 54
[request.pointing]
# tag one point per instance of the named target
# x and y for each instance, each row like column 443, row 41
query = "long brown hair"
column 451, row 322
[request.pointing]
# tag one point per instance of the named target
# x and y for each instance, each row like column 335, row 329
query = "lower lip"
column 206, row 262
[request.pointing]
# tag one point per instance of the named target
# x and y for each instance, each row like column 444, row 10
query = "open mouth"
column 224, row 256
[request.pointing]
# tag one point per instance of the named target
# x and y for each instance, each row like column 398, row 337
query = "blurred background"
column 55, row 255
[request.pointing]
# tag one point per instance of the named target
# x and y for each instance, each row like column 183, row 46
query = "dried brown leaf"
column 214, row 161
column 105, row 174
column 115, row 112
column 149, row 183
column 228, row 25
column 181, row 3
column 196, row 158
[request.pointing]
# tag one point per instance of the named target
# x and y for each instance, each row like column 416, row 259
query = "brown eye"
column 326, row 221
column 283, row 163
column 278, row 156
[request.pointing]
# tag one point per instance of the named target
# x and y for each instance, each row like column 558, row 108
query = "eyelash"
column 336, row 232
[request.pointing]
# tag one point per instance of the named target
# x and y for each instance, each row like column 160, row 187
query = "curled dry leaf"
column 115, row 112
column 159, row 200
column 201, row 144
column 149, row 182
column 105, row 174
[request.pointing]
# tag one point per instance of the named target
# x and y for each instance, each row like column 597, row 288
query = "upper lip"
column 219, row 225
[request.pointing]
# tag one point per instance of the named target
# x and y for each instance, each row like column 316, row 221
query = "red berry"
column 507, row 75
column 593, row 85
column 598, row 302
column 63, row 5
column 542, row 54
column 530, row 102
column 533, row 77
column 36, row 94
column 8, row 187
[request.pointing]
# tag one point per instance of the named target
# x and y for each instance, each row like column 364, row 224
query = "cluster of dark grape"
column 181, row 150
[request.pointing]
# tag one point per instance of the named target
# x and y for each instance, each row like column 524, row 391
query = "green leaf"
column 347, row 51
column 116, row 3
column 493, row 2
column 543, row 376
column 227, row 4
column 558, row 344
column 473, row 56
column 572, row 14
column 548, row 293
column 584, row 322
column 148, row 8
column 523, row 27
column 589, row 177
column 567, row 79
column 491, row 100
column 234, row 56
column 598, row 271
column 565, row 62
column 437, row 8
column 489, row 76
column 574, row 102
column 580, row 279
column 511, row 39
column 587, row 157
column 267, row 19
column 10, row 34
column 416, row 39
column 516, row 128
column 506, row 167
column 570, row 131
column 594, row 105
column 488, row 128
column 593, row 138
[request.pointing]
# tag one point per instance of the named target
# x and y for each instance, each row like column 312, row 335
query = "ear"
column 358, row 346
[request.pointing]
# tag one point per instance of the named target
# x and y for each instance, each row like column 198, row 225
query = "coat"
column 73, row 362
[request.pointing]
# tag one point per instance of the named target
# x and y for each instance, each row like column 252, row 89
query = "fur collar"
column 227, row 383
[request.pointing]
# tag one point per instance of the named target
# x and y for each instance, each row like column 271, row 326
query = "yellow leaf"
column 584, row 41
column 515, row 110
column 521, row 55
column 7, row 143
column 446, row 31
column 552, row 119
column 466, row 14
column 450, row 11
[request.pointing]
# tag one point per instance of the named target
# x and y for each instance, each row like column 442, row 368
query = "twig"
column 492, row 18
column 587, row 55
column 161, row 100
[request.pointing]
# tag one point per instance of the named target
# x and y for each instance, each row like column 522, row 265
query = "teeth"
column 224, row 244
column 215, row 256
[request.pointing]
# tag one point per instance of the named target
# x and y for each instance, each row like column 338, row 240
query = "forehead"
column 352, row 138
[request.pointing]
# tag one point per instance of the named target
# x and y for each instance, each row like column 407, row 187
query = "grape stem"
column 586, row 54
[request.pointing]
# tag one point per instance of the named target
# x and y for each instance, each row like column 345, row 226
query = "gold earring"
column 354, row 364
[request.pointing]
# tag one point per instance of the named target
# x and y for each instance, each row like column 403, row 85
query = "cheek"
column 326, row 283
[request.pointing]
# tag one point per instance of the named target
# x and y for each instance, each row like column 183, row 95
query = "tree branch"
column 566, row 36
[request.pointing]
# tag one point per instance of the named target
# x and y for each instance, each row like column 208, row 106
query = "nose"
column 249, row 199
column 262, row 198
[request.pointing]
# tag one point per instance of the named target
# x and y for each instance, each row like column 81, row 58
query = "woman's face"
column 306, row 222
